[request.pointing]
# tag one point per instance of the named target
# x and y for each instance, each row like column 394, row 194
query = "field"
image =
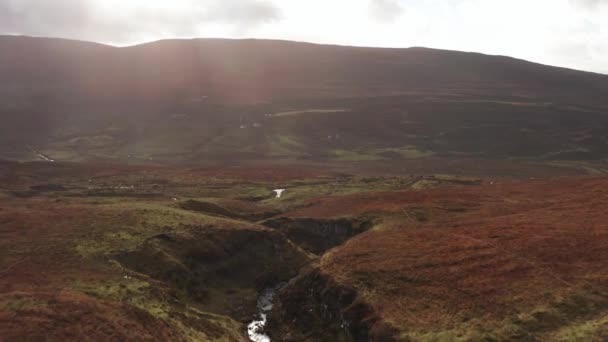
column 390, row 128
column 156, row 252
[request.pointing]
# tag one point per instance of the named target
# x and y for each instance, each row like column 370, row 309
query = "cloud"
column 120, row 21
column 242, row 13
column 38, row 17
column 588, row 4
column 385, row 10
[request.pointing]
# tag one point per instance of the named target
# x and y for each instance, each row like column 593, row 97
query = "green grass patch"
column 125, row 226
column 193, row 324
column 590, row 330
column 347, row 155
column 370, row 154
column 406, row 152
column 285, row 145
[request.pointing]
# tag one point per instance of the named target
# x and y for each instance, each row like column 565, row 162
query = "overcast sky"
column 571, row 33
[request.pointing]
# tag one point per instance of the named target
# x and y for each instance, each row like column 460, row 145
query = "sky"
column 570, row 33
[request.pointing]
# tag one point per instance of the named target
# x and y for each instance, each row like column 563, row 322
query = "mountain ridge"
column 203, row 39
column 256, row 60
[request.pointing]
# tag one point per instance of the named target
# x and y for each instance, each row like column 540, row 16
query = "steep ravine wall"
column 218, row 269
column 314, row 307
column 222, row 269
column 319, row 235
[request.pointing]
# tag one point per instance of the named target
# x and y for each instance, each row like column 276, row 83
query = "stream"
column 255, row 329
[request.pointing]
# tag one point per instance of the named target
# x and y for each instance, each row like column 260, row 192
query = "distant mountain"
column 187, row 100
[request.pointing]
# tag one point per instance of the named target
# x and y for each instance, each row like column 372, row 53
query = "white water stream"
column 255, row 329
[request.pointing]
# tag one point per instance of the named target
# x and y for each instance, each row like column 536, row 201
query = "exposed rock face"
column 318, row 235
column 316, row 308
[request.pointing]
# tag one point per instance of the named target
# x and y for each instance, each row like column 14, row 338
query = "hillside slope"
column 187, row 100
column 502, row 262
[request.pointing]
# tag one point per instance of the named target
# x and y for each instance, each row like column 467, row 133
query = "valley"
column 259, row 190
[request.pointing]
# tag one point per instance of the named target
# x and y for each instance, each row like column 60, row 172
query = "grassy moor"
column 258, row 190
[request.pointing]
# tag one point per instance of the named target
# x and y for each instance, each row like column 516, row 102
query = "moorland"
column 429, row 195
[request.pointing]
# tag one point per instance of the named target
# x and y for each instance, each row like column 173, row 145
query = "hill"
column 191, row 101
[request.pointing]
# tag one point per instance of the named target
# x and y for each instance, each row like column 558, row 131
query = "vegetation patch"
column 221, row 269
column 349, row 155
column 286, row 145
